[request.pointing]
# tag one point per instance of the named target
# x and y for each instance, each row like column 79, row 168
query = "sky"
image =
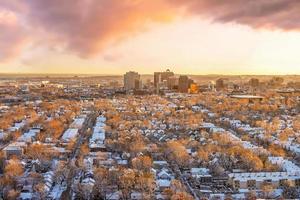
column 115, row 36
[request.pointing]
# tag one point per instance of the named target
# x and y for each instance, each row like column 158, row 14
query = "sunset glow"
column 112, row 37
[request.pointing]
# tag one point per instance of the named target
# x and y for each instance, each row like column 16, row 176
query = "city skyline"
column 186, row 36
column 149, row 99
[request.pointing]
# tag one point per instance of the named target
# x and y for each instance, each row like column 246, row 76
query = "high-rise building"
column 162, row 76
column 221, row 84
column 132, row 81
column 157, row 78
column 172, row 82
column 138, row 84
column 183, row 84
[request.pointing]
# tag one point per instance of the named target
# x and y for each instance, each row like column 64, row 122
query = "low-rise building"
column 14, row 149
column 254, row 181
column 70, row 134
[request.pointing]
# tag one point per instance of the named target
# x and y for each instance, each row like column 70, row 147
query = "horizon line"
column 146, row 74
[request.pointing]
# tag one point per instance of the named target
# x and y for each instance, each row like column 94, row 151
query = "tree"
column 177, row 152
column 2, row 161
column 145, row 184
column 16, row 135
column 12, row 194
column 177, row 191
column 54, row 128
column 137, row 144
column 71, row 144
column 61, row 172
column 181, row 196
column 84, row 149
column 296, row 124
column 251, row 195
column 127, row 182
column 217, row 169
column 40, row 152
column 12, row 171
column 84, row 191
column 142, row 163
column 176, row 186
column 203, row 155
column 267, row 189
column 276, row 150
column 289, row 190
column 5, row 123
column 113, row 176
column 101, row 182
column 14, row 168
column 40, row 189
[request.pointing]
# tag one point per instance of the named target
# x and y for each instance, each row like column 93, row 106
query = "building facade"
column 132, row 80
column 162, row 76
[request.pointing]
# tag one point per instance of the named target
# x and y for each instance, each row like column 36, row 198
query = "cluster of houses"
column 50, row 187
column 244, row 182
column 17, row 148
column 163, row 177
column 237, row 182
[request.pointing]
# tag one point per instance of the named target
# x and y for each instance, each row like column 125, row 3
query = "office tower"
column 162, row 76
column 221, row 84
column 138, row 84
column 183, row 84
column 172, row 82
column 131, row 80
column 156, row 78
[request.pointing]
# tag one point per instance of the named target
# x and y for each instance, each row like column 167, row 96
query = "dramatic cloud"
column 12, row 36
column 268, row 14
column 87, row 27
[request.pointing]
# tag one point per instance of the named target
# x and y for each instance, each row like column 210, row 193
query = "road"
column 91, row 118
column 183, row 180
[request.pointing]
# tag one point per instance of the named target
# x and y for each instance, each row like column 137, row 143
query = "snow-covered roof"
column 163, row 183
column 28, row 136
column 262, row 176
column 78, row 122
column 160, row 162
column 199, row 170
column 286, row 165
column 207, row 125
column 18, row 126
column 15, row 146
column 113, row 196
column 25, row 196
column 56, row 192
column 98, row 137
column 246, row 97
column 70, row 134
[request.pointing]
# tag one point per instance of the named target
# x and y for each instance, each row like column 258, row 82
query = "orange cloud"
column 12, row 36
column 87, row 27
